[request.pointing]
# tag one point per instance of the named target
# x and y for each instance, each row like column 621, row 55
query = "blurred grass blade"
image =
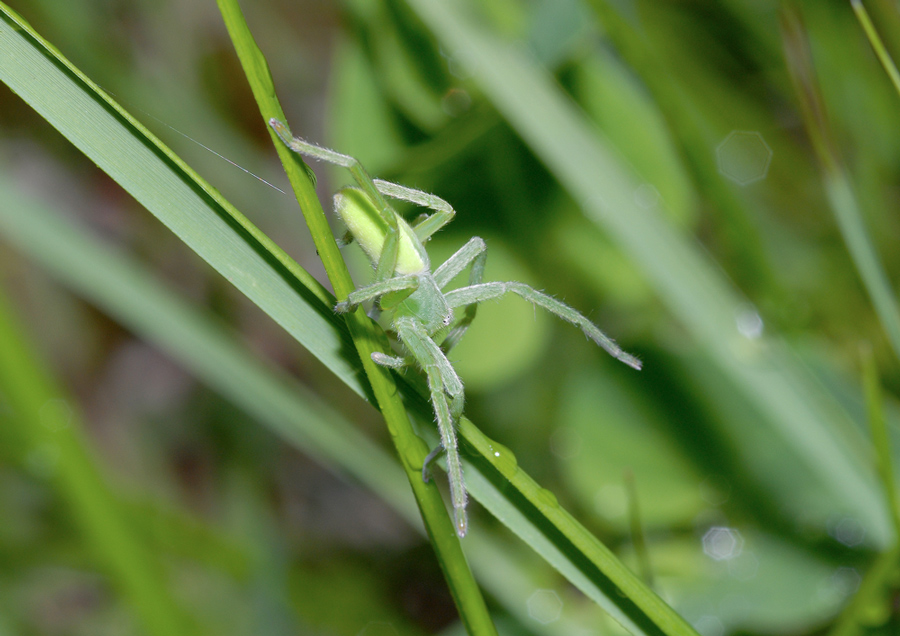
column 172, row 192
column 877, row 45
column 874, row 598
column 881, row 441
column 806, row 417
column 638, row 539
column 838, row 186
column 55, row 447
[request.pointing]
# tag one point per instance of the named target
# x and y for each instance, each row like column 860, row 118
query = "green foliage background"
column 706, row 238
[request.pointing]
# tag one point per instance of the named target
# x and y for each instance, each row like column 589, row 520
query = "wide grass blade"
column 172, row 192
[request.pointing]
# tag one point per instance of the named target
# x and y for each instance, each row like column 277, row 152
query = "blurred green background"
column 745, row 434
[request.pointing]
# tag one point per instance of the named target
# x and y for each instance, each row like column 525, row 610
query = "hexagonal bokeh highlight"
column 708, row 625
column 544, row 606
column 744, row 157
column 722, row 544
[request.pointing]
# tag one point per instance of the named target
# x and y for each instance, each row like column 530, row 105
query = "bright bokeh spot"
column 545, row 606
column 708, row 625
column 848, row 531
column 744, row 157
column 722, row 544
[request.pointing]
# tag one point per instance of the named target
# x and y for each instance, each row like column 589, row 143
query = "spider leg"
column 473, row 253
column 486, row 291
column 442, row 382
column 428, row 225
column 361, row 295
column 392, row 362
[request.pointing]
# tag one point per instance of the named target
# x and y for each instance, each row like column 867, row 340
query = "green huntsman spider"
column 422, row 312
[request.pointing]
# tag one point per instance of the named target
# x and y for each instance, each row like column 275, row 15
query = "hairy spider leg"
column 486, row 291
column 370, row 292
column 442, row 382
column 473, row 253
column 427, row 224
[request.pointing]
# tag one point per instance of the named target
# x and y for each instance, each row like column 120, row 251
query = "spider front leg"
column 376, row 290
column 486, row 291
column 429, row 224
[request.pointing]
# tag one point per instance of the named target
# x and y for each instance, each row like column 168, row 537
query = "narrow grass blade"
column 838, row 185
column 368, row 338
column 880, row 575
column 875, row 589
column 54, row 438
column 534, row 514
column 877, row 45
column 881, row 441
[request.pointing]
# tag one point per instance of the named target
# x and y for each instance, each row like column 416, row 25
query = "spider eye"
column 448, row 319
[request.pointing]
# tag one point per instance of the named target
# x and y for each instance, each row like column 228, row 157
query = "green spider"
column 422, row 312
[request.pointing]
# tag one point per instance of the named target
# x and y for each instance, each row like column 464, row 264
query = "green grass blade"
column 368, row 338
column 534, row 514
column 877, row 45
column 52, row 430
column 838, row 185
column 173, row 193
column 881, row 441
